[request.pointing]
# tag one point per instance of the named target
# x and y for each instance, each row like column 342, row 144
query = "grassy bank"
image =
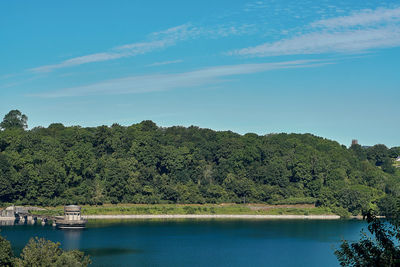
column 157, row 209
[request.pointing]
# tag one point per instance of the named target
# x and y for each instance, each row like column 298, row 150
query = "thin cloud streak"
column 160, row 40
column 164, row 82
column 363, row 18
column 79, row 61
column 155, row 64
column 325, row 42
column 375, row 29
column 157, row 40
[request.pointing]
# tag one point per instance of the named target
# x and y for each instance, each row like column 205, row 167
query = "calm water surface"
column 200, row 242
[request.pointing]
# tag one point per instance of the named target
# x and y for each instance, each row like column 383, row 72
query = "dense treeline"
column 144, row 163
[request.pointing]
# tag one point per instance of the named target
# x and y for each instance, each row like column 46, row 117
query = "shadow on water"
column 99, row 252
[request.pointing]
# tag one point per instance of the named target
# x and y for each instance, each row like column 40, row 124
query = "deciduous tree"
column 14, row 120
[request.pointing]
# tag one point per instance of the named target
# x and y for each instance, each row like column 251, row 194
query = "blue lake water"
column 200, row 242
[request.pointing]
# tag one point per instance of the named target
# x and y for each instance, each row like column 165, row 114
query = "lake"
column 200, row 242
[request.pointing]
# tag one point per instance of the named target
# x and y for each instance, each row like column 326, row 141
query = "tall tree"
column 14, row 120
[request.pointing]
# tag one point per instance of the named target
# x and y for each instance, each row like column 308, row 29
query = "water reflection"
column 199, row 243
column 6, row 222
column 72, row 238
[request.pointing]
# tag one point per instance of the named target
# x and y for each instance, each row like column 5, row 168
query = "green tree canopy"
column 6, row 253
column 14, row 120
column 45, row 253
column 145, row 163
column 40, row 252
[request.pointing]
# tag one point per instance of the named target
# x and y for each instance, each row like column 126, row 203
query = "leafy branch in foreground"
column 380, row 248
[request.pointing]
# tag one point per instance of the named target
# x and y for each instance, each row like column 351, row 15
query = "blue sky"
column 330, row 68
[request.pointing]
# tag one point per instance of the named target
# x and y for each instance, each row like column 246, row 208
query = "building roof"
column 72, row 208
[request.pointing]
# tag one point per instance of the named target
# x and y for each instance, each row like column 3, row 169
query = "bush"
column 41, row 253
column 6, row 254
column 342, row 212
column 189, row 210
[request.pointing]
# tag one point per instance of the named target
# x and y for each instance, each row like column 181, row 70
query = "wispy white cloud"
column 325, row 42
column 163, row 82
column 98, row 57
column 18, row 82
column 358, row 32
column 178, row 33
column 158, row 40
column 226, row 30
column 165, row 63
column 363, row 18
column 7, row 76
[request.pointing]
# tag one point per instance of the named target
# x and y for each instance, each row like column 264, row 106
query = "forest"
column 146, row 163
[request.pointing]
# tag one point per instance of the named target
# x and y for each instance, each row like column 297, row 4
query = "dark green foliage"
column 40, row 252
column 356, row 198
column 378, row 248
column 381, row 246
column 378, row 154
column 6, row 254
column 14, row 120
column 144, row 163
column 359, row 151
column 44, row 253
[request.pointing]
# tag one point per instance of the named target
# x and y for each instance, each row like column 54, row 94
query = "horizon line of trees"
column 144, row 163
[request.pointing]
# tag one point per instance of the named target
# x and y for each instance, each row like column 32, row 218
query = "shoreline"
column 213, row 216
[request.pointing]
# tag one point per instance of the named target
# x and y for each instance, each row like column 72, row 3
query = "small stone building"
column 72, row 218
column 72, row 213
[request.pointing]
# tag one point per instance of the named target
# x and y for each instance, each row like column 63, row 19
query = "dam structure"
column 21, row 215
column 72, row 218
